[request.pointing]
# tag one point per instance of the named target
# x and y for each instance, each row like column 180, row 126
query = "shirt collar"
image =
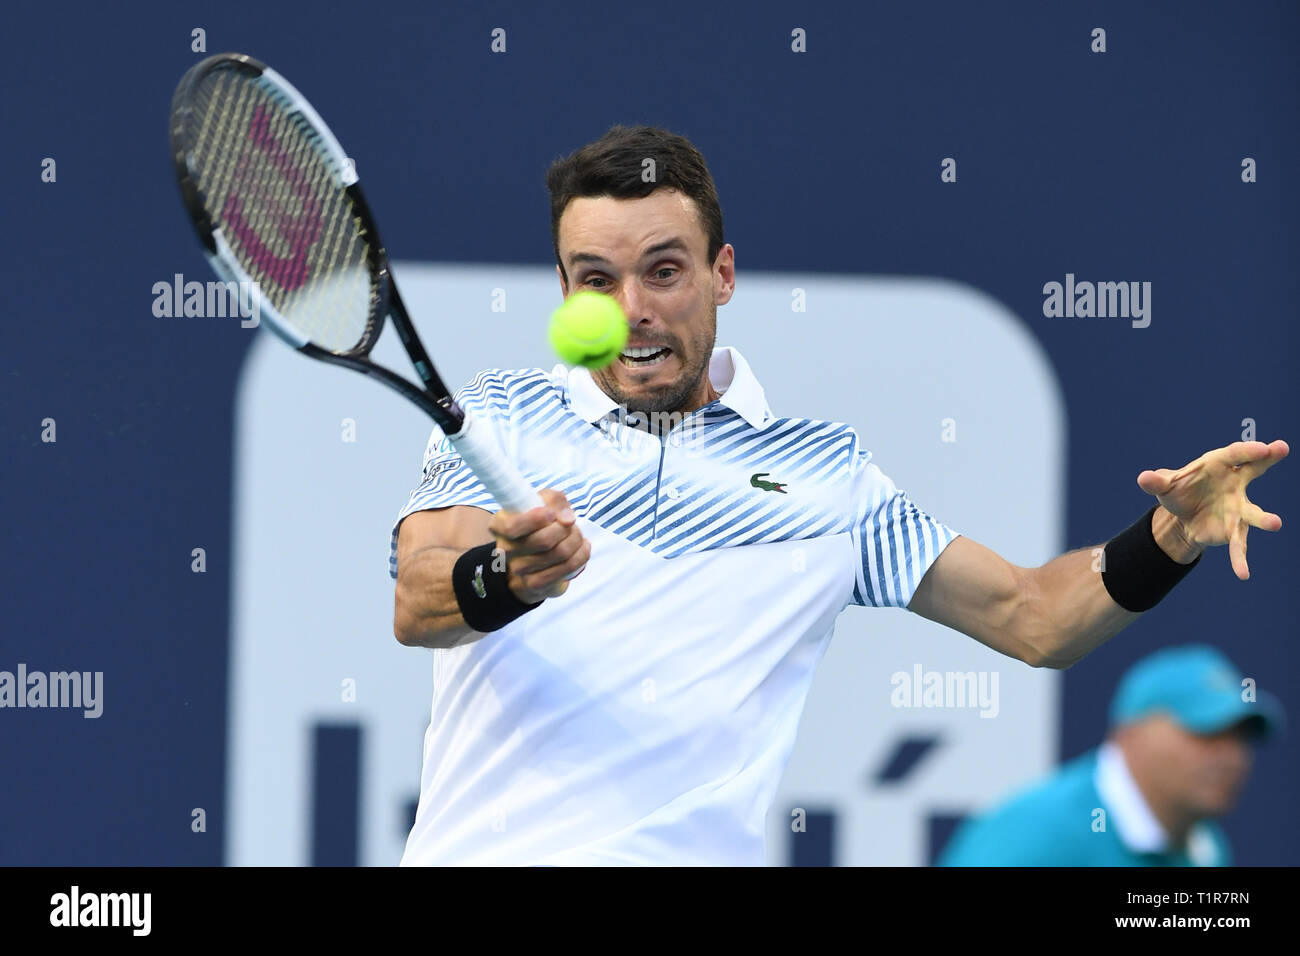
column 1128, row 810
column 1134, row 820
column 729, row 375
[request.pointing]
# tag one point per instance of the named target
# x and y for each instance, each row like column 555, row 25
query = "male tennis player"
column 618, row 676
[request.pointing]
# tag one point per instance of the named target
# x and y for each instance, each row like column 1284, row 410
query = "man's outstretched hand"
column 1208, row 496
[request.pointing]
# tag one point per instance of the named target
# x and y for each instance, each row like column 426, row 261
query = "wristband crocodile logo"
column 758, row 482
column 479, row 588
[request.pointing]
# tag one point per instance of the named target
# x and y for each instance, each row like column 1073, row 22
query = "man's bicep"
column 972, row 589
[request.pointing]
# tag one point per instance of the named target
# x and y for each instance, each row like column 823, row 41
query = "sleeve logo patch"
column 434, row 470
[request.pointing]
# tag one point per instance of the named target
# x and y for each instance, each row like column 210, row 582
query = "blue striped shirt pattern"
column 697, row 489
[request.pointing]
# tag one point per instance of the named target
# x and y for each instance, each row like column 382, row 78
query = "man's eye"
column 594, row 279
column 659, row 273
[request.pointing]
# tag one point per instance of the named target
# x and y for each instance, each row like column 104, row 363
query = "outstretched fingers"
column 1237, row 550
column 1158, row 481
column 1257, row 517
column 1256, row 457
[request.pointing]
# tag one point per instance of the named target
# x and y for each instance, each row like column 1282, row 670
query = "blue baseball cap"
column 1199, row 687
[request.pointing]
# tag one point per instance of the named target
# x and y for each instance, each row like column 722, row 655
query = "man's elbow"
column 1052, row 663
column 1040, row 653
column 407, row 626
column 413, row 630
column 403, row 628
column 410, row 634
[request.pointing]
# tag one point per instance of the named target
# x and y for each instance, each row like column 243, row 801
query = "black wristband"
column 485, row 599
column 1136, row 571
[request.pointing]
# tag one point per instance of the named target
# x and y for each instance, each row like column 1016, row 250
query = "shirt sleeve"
column 894, row 541
column 445, row 481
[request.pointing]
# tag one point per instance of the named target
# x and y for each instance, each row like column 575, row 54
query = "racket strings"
column 277, row 196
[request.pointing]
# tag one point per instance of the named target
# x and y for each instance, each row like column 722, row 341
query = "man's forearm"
column 426, row 612
column 1073, row 613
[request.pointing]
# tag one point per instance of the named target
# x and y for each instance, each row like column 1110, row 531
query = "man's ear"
column 564, row 286
column 724, row 275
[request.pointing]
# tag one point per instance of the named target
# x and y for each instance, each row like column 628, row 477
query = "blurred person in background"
column 1183, row 725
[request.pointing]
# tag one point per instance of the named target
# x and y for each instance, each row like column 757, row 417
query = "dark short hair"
column 613, row 166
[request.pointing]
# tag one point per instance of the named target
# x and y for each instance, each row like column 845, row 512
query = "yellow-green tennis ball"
column 589, row 329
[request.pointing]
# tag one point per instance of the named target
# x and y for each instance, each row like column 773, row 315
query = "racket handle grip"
column 477, row 445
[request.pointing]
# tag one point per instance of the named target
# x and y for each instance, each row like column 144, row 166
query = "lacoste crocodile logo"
column 758, row 482
column 479, row 588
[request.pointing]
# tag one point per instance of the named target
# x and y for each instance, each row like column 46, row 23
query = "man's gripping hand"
column 543, row 548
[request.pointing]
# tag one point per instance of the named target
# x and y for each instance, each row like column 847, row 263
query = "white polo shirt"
column 646, row 715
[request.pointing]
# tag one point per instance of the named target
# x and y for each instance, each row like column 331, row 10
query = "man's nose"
column 632, row 299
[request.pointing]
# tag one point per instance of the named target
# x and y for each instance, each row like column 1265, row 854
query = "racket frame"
column 476, row 446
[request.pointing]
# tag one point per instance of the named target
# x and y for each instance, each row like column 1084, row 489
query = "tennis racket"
column 278, row 205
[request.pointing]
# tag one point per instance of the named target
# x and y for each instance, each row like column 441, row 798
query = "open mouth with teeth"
column 644, row 357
